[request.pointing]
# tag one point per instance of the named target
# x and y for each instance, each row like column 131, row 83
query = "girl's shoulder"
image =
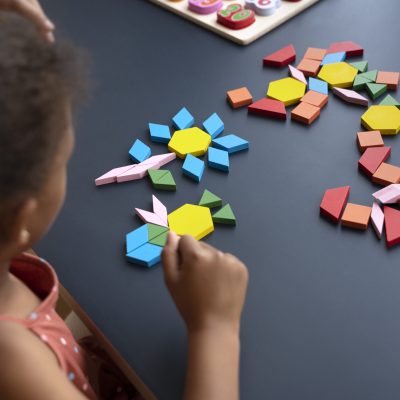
column 28, row 368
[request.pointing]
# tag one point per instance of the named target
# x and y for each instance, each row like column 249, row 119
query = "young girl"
column 39, row 359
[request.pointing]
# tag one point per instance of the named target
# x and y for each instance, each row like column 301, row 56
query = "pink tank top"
column 45, row 323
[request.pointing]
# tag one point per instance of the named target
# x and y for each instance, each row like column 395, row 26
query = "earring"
column 24, row 236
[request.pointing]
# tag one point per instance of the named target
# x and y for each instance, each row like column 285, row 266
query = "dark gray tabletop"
column 322, row 316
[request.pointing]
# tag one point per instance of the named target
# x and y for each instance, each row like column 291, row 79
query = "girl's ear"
column 20, row 234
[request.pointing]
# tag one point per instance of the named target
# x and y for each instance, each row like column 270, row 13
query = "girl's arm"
column 208, row 288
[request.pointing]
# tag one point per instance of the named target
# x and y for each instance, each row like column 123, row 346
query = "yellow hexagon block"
column 385, row 119
column 191, row 219
column 338, row 74
column 287, row 90
column 189, row 141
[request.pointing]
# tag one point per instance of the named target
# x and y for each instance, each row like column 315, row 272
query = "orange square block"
column 309, row 67
column 305, row 113
column 315, row 98
column 386, row 174
column 314, row 53
column 239, row 97
column 369, row 139
column 356, row 216
column 390, row 79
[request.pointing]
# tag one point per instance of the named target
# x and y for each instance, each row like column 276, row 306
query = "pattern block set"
column 318, row 71
column 189, row 143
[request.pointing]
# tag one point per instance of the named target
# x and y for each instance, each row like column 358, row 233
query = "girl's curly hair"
column 37, row 81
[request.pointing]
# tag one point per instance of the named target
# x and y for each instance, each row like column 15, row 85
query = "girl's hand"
column 31, row 10
column 207, row 285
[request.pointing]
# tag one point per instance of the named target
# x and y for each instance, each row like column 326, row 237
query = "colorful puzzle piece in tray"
column 356, row 216
column 281, row 57
column 369, row 139
column 192, row 141
column 183, row 119
column 385, row 119
column 388, row 195
column 287, row 90
column 225, row 216
column 392, row 226
column 377, row 219
column 372, row 158
column 139, row 151
column 159, row 133
column 213, row 125
column 350, row 96
column 205, row 7
column 268, row 108
column 333, row 202
column 231, row 143
column 191, row 219
column 218, row 159
column 263, row 7
column 239, row 97
column 235, row 17
column 162, row 179
column 193, row 167
column 210, row 200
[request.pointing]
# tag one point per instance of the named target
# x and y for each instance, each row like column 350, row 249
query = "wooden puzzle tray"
column 261, row 26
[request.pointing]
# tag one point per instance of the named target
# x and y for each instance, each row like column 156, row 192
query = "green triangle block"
column 360, row 82
column 371, row 75
column 225, row 216
column 375, row 89
column 362, row 66
column 166, row 182
column 389, row 101
column 160, row 240
column 210, row 200
column 156, row 174
column 155, row 230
